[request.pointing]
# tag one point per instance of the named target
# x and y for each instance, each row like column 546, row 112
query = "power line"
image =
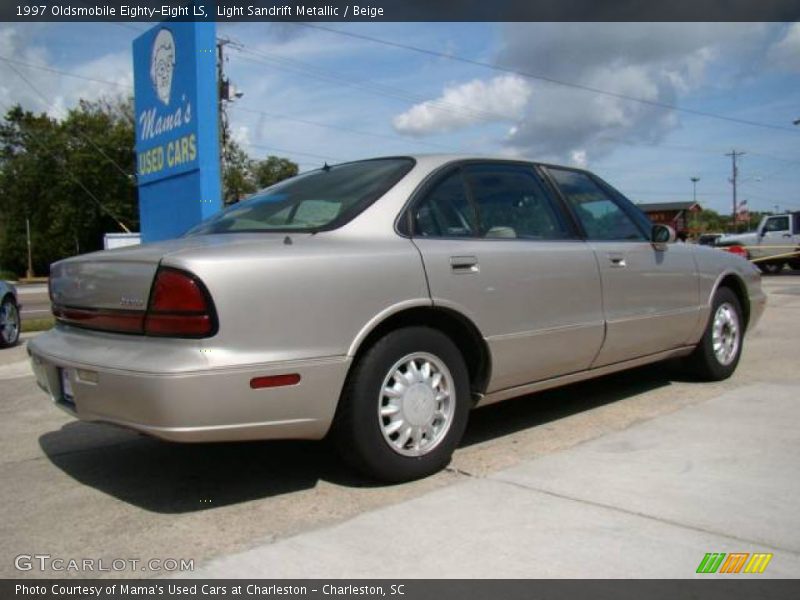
column 298, row 153
column 84, row 137
column 547, row 79
column 372, row 87
column 392, row 137
column 72, row 176
column 683, row 148
column 64, row 73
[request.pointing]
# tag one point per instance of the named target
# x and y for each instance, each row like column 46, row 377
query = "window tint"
column 445, row 211
column 601, row 217
column 511, row 203
column 777, row 224
column 322, row 199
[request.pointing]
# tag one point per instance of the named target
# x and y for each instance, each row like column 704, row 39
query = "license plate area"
column 66, row 396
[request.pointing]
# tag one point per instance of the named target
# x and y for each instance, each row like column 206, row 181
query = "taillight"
column 179, row 306
column 738, row 250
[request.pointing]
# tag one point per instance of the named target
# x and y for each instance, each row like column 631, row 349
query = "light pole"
column 694, row 179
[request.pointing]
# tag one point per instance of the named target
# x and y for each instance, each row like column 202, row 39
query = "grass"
column 29, row 325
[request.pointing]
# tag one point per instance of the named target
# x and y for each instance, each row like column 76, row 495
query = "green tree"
column 71, row 179
column 273, row 169
column 237, row 177
column 243, row 176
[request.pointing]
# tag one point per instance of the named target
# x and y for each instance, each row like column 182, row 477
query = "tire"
column 770, row 268
column 377, row 410
column 9, row 323
column 726, row 326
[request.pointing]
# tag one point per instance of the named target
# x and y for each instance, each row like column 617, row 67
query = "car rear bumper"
column 191, row 405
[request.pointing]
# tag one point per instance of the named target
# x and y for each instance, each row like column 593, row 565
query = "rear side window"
column 445, row 211
column 602, row 217
column 511, row 203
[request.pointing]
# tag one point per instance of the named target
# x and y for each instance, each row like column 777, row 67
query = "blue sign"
column 177, row 128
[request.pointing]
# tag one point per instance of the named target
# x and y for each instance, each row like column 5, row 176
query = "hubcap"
column 416, row 404
column 9, row 321
column 725, row 334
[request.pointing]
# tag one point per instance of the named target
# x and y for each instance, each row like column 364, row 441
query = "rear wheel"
column 405, row 406
column 717, row 355
column 9, row 323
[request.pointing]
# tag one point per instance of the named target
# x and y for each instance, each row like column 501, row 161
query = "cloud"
column 502, row 98
column 655, row 62
column 49, row 92
column 785, row 53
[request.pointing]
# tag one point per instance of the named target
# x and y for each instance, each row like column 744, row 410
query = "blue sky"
column 313, row 95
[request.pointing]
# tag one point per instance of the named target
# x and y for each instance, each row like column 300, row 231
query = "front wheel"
column 716, row 356
column 405, row 406
column 9, row 323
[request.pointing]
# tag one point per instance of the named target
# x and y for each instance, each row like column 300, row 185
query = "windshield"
column 319, row 200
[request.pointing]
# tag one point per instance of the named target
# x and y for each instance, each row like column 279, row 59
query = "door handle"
column 787, row 235
column 464, row 264
column 617, row 260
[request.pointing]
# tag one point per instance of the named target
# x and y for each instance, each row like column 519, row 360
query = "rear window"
column 316, row 201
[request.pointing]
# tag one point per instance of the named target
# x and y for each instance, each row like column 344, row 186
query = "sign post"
column 177, row 128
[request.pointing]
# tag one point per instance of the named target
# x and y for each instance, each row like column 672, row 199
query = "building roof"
column 657, row 206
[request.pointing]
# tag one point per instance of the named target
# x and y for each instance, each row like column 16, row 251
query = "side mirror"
column 662, row 234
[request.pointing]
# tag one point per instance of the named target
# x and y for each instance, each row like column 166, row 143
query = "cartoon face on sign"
column 162, row 64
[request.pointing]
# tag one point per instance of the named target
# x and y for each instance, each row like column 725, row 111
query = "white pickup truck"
column 773, row 245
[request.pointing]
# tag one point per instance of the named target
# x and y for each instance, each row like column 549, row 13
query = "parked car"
column 708, row 239
column 9, row 315
column 773, row 245
column 378, row 301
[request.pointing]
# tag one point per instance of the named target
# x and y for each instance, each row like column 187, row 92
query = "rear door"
column 650, row 294
column 499, row 248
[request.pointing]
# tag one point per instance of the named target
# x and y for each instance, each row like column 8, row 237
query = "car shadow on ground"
column 173, row 478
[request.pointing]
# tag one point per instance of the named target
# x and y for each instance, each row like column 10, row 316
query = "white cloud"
column 785, row 53
column 46, row 91
column 654, row 62
column 578, row 158
column 502, row 98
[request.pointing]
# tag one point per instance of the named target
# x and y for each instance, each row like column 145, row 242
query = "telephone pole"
column 734, row 176
column 225, row 94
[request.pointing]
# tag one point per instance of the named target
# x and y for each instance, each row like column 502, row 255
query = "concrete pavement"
column 649, row 501
column 91, row 490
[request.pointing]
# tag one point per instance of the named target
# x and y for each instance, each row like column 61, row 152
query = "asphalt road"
column 78, row 490
column 35, row 301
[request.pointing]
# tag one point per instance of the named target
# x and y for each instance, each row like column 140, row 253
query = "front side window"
column 511, row 203
column 322, row 199
column 602, row 218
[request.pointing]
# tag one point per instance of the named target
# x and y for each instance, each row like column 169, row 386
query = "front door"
column 650, row 294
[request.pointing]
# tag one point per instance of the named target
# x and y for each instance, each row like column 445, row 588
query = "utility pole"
column 225, row 94
column 223, row 118
column 29, row 274
column 734, row 176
